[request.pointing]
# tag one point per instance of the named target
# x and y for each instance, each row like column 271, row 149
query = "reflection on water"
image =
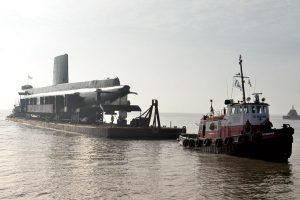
column 43, row 164
column 232, row 177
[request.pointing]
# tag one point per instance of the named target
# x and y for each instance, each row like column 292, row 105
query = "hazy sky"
column 183, row 53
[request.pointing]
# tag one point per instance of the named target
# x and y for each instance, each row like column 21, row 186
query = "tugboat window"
column 241, row 109
column 253, row 109
column 233, row 110
column 236, row 110
column 229, row 111
column 247, row 110
column 258, row 108
column 244, row 110
column 264, row 110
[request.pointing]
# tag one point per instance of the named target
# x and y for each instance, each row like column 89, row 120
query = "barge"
column 106, row 130
column 81, row 107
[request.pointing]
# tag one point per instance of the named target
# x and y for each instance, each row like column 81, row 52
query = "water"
column 44, row 164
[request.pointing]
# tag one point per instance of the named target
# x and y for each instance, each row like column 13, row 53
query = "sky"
column 182, row 53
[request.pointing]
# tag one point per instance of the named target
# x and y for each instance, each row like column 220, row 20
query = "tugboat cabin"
column 237, row 118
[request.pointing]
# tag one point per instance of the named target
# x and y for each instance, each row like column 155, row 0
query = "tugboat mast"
column 242, row 78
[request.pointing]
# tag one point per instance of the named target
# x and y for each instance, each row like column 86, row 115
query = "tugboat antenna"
column 211, row 107
column 242, row 78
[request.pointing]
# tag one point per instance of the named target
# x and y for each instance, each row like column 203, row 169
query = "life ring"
column 219, row 142
column 207, row 142
column 199, row 143
column 228, row 141
column 212, row 126
column 191, row 143
column 185, row 142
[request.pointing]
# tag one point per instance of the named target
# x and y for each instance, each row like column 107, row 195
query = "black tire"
column 199, row 143
column 219, row 142
column 191, row 143
column 207, row 142
column 228, row 141
column 185, row 142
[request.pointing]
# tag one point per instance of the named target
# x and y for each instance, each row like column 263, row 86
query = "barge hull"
column 107, row 131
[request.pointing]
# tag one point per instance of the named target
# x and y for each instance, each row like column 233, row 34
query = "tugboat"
column 292, row 114
column 243, row 129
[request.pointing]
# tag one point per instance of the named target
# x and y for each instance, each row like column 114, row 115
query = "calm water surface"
column 44, row 164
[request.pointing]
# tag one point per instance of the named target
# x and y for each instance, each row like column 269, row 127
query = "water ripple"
column 43, row 164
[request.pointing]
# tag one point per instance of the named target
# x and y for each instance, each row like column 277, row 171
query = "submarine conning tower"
column 60, row 70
